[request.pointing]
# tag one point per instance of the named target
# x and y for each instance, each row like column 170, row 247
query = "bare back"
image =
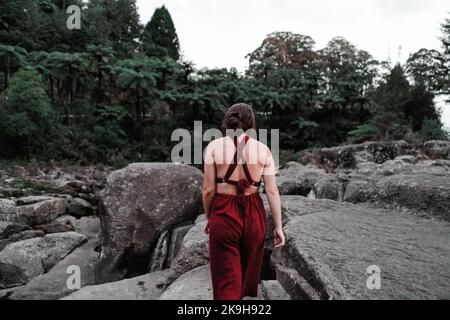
column 256, row 155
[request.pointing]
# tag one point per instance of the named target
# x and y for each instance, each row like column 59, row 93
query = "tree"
column 138, row 76
column 29, row 117
column 446, row 55
column 160, row 38
column 282, row 49
column 11, row 57
column 426, row 67
column 118, row 20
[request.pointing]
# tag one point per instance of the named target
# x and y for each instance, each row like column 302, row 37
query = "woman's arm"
column 273, row 196
column 209, row 184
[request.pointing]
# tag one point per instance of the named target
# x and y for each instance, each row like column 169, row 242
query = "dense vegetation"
column 114, row 90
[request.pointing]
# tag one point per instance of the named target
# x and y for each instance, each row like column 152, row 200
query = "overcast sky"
column 219, row 33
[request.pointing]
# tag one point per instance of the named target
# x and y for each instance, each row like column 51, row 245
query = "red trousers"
column 237, row 230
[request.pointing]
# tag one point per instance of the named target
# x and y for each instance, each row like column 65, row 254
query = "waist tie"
column 241, row 186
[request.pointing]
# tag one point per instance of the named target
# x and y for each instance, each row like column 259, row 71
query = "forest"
column 114, row 90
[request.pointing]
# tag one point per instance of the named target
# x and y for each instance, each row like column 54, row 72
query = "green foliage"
column 159, row 38
column 114, row 91
column 30, row 119
column 432, row 129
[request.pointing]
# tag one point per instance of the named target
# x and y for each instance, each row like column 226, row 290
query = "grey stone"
column 146, row 287
column 7, row 229
column 193, row 285
column 437, row 149
column 176, row 240
column 298, row 179
column 23, row 235
column 53, row 284
column 139, row 202
column 193, row 252
column 332, row 244
column 424, row 193
column 40, row 212
column 32, row 257
column 79, row 208
column 272, row 290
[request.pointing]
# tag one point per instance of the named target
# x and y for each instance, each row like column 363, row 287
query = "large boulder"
column 53, row 284
column 139, row 202
column 332, row 246
column 146, row 287
column 297, row 179
column 424, row 193
column 32, row 257
column 193, row 252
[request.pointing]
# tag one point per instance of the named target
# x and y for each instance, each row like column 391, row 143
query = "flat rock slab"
column 53, row 284
column 146, row 287
column 331, row 245
column 29, row 258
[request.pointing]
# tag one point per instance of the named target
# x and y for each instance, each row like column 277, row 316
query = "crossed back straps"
column 242, row 184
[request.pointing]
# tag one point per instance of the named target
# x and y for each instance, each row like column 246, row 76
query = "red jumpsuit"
column 237, row 229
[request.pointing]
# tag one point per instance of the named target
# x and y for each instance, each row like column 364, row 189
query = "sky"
column 220, row 33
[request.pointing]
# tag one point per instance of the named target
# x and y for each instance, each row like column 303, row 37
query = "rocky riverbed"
column 366, row 221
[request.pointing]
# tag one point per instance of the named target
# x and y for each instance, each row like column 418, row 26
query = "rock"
column 424, row 193
column 193, row 285
column 79, row 208
column 23, row 201
column 53, row 284
column 11, row 275
column 437, row 149
column 89, row 226
column 55, row 227
column 139, row 202
column 298, row 179
column 32, row 257
column 7, row 229
column 176, row 240
column 35, row 213
column 330, row 246
column 193, row 252
column 348, row 156
column 272, row 290
column 23, row 235
column 327, row 187
column 146, row 287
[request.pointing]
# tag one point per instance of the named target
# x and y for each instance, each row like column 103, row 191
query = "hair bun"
column 234, row 121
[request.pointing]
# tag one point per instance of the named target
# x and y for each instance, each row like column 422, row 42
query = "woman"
column 234, row 167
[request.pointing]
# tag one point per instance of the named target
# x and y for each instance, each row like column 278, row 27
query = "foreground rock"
column 330, row 246
column 146, row 287
column 53, row 284
column 29, row 258
column 193, row 285
column 193, row 252
column 139, row 202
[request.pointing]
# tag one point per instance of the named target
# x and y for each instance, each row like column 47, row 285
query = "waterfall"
column 160, row 252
